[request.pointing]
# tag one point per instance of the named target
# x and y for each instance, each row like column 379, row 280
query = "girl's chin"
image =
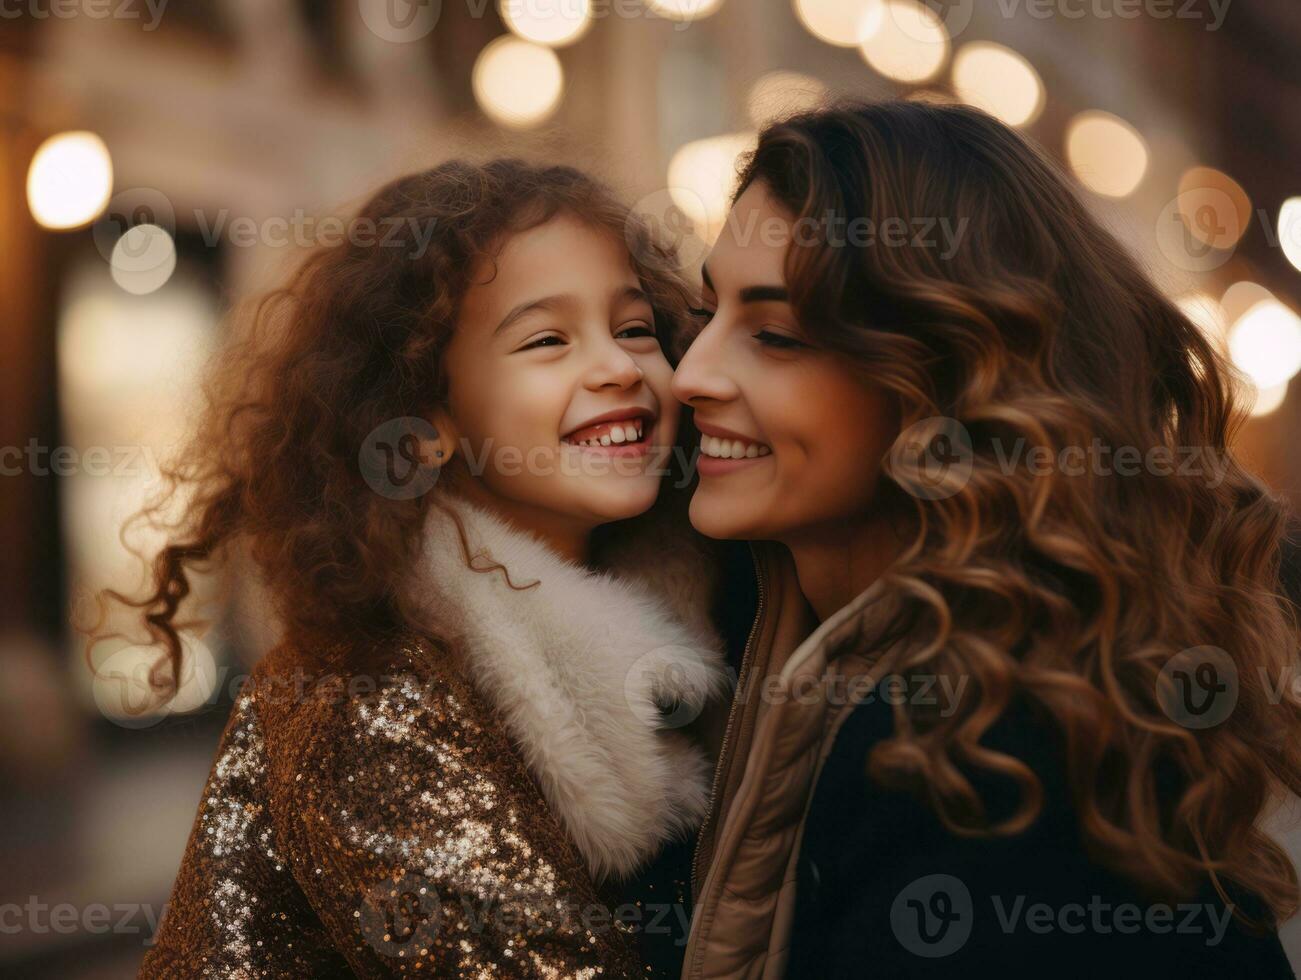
column 617, row 498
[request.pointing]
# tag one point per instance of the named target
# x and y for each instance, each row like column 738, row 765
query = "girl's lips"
column 640, row 448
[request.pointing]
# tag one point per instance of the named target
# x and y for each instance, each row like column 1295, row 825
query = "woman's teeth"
column 731, row 448
column 608, row 434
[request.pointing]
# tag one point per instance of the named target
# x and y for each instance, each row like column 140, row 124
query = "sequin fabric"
column 375, row 827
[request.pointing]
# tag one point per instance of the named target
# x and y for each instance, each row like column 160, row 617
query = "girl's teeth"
column 616, row 434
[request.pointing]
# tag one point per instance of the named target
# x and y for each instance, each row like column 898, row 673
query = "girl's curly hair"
column 355, row 339
column 1069, row 588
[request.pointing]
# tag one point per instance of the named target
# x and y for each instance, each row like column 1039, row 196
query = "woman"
column 976, row 727
column 465, row 758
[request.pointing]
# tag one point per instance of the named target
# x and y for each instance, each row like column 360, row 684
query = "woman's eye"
column 770, row 338
column 548, row 341
column 636, row 330
column 700, row 313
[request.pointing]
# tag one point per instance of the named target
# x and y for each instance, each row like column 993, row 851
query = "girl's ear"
column 439, row 450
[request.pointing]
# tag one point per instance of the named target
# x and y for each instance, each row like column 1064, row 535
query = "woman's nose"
column 701, row 374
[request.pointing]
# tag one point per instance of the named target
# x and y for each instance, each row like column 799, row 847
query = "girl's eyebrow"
column 528, row 306
column 630, row 294
column 622, row 295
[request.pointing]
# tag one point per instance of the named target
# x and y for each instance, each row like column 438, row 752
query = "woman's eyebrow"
column 751, row 294
column 760, row 294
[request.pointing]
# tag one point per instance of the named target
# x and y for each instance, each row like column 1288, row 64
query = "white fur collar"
column 578, row 667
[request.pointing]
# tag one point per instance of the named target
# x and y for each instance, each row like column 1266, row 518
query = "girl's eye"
column 636, row 330
column 550, row 340
column 770, row 338
column 699, row 313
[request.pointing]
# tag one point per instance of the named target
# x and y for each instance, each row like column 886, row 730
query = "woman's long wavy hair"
column 355, row 339
column 1067, row 590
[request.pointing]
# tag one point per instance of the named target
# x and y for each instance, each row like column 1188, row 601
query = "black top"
column 886, row 891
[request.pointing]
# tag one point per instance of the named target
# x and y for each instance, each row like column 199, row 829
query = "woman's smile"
column 724, row 451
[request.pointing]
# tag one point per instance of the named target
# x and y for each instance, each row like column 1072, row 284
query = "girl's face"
column 792, row 439
column 559, row 402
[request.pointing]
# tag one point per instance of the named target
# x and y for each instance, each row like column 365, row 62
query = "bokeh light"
column 143, row 259
column 1240, row 297
column 780, row 93
column 1106, row 153
column 1000, row 81
column 843, row 23
column 1289, row 230
column 517, row 83
column 907, row 42
column 1213, row 207
column 70, row 180
column 1265, row 343
column 684, row 9
column 1268, row 400
column 702, row 176
column 554, row 23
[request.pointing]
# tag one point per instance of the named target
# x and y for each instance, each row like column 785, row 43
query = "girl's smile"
column 620, row 432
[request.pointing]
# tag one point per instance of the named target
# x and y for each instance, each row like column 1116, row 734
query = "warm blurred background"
column 162, row 160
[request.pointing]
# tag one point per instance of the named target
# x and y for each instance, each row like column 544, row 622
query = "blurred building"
column 160, row 162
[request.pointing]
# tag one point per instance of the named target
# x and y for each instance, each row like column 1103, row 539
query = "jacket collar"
column 593, row 672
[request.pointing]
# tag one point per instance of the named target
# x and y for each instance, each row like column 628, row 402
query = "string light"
column 843, row 23
column 1106, row 153
column 907, row 42
column 70, row 180
column 517, row 83
column 554, row 23
column 1000, row 81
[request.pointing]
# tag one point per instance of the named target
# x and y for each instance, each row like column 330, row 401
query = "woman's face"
column 559, row 392
column 792, row 440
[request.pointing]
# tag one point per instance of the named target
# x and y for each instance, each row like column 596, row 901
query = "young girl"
column 1018, row 693
column 466, row 758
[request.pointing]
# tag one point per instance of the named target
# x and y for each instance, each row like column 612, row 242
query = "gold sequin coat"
column 459, row 815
